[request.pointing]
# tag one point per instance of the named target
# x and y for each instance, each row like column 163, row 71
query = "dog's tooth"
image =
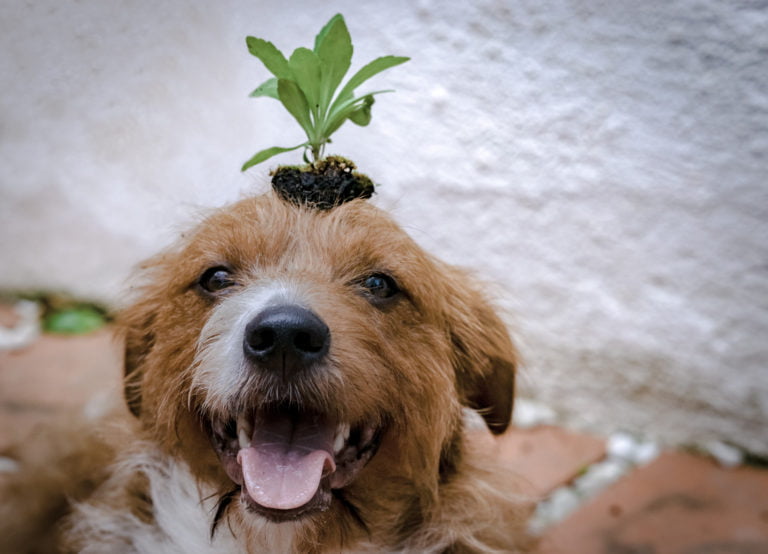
column 341, row 438
column 338, row 444
column 243, row 423
column 244, row 432
column 243, row 438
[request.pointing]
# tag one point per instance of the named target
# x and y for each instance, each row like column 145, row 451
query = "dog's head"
column 304, row 358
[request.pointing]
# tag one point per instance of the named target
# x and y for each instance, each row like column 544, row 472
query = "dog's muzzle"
column 286, row 451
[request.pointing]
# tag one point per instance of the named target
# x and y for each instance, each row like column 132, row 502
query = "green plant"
column 307, row 82
column 73, row 320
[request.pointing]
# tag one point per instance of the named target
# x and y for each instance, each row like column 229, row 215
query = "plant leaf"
column 296, row 103
column 306, row 85
column 341, row 113
column 270, row 56
column 324, row 31
column 267, row 88
column 369, row 70
column 305, row 66
column 267, row 153
column 335, row 52
column 362, row 115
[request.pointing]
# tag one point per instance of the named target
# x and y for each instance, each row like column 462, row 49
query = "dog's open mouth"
column 288, row 461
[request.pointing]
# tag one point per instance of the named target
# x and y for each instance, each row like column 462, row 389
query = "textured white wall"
column 603, row 162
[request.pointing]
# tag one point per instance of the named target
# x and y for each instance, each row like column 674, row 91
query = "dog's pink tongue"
column 285, row 463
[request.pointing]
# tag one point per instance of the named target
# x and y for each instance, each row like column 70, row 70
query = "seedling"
column 306, row 84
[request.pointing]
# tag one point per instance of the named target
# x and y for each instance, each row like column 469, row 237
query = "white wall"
column 604, row 163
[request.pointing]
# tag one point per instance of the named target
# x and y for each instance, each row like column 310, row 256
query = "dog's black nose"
column 286, row 339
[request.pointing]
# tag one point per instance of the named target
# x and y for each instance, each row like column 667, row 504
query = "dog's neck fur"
column 182, row 514
column 183, row 510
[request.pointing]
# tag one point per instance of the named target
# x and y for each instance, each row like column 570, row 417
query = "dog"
column 300, row 380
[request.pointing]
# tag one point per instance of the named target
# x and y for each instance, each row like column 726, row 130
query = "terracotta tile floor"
column 53, row 376
column 678, row 504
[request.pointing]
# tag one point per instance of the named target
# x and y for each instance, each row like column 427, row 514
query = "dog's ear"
column 137, row 326
column 485, row 359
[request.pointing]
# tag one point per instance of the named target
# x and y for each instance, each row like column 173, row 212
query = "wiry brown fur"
column 410, row 365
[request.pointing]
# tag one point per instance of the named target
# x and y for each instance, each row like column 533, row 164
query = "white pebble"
column 646, row 452
column 8, row 465
column 621, row 445
column 26, row 331
column 529, row 413
column 560, row 504
column 600, row 475
column 725, row 454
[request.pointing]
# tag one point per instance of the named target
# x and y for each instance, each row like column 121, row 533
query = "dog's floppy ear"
column 137, row 325
column 484, row 356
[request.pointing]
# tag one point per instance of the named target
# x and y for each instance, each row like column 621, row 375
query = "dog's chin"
column 288, row 461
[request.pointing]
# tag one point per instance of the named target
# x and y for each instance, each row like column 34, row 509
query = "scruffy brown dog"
column 298, row 379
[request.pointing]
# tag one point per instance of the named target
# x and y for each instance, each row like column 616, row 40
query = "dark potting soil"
column 322, row 184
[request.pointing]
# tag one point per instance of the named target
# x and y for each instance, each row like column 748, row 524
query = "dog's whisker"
column 221, row 508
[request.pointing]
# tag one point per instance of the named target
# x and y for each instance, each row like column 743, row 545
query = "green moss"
column 61, row 313
column 74, row 320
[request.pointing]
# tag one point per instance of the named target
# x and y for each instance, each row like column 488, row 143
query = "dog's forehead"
column 265, row 232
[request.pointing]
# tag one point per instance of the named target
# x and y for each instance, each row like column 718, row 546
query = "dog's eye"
column 380, row 286
column 215, row 279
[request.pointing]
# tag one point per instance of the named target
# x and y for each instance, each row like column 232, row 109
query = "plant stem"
column 318, row 149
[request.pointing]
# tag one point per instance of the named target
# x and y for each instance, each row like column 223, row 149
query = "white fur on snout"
column 221, row 369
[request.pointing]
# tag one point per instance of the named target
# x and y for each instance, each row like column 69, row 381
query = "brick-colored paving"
column 679, row 504
column 547, row 457
column 55, row 375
